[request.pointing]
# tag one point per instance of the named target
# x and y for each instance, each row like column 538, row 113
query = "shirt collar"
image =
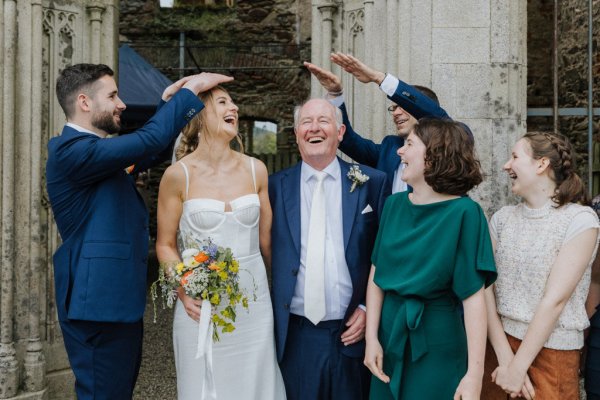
column 81, row 129
column 332, row 170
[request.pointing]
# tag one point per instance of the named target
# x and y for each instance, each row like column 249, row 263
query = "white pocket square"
column 367, row 209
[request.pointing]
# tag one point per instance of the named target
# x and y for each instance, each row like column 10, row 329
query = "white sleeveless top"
column 204, row 218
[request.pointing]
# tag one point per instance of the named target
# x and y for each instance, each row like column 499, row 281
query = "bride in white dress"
column 218, row 193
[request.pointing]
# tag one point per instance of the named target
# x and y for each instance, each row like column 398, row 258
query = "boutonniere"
column 357, row 177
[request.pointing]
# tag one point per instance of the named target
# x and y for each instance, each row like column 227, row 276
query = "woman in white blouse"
column 544, row 247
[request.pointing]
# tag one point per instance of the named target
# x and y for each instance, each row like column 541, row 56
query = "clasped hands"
column 513, row 381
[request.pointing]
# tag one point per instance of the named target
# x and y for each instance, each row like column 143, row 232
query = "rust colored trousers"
column 554, row 374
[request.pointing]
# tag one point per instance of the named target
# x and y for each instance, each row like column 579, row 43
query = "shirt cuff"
column 337, row 101
column 362, row 307
column 389, row 85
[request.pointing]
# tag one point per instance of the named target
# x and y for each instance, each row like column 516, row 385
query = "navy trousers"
column 105, row 357
column 313, row 367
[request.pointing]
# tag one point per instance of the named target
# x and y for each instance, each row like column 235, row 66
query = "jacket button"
column 286, row 306
column 295, row 272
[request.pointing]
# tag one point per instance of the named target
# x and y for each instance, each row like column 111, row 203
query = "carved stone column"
column 95, row 11
column 9, row 369
column 35, row 362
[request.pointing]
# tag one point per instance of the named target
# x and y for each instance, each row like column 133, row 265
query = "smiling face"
column 413, row 158
column 404, row 121
column 106, row 106
column 317, row 133
column 523, row 169
column 221, row 114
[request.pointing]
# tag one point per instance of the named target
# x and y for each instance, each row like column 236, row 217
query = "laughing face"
column 317, row 133
column 413, row 158
column 221, row 114
column 106, row 106
column 404, row 121
column 522, row 168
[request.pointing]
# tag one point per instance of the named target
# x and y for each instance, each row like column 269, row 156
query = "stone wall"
column 572, row 49
column 261, row 43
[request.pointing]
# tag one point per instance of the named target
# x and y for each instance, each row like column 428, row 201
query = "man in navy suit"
column 410, row 104
column 100, row 268
column 322, row 357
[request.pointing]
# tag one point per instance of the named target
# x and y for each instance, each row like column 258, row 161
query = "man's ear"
column 341, row 131
column 84, row 102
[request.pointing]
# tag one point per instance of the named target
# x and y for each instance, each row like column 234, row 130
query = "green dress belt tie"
column 407, row 326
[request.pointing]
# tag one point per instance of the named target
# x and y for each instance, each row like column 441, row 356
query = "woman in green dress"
column 432, row 252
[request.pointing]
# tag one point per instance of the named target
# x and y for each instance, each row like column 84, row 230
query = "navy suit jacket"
column 100, row 268
column 360, row 231
column 384, row 156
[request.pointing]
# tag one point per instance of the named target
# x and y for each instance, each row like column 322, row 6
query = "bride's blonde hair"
column 190, row 135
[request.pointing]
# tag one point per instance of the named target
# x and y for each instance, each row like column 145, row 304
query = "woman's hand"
column 374, row 360
column 469, row 388
column 191, row 305
column 509, row 379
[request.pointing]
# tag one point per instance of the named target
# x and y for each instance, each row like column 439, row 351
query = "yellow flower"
column 222, row 275
column 179, row 268
column 235, row 266
column 215, row 299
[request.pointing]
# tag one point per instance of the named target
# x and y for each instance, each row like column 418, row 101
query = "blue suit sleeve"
column 87, row 159
column 361, row 150
column 416, row 103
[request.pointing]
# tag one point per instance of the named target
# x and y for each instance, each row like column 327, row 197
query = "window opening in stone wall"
column 259, row 136
column 196, row 3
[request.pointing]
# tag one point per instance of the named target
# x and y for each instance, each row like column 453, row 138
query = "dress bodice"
column 204, row 218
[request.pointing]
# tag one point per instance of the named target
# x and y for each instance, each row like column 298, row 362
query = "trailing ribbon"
column 204, row 350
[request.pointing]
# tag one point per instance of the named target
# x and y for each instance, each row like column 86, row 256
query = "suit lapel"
column 349, row 202
column 290, row 185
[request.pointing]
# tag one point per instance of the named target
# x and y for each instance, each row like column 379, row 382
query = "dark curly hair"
column 558, row 150
column 451, row 166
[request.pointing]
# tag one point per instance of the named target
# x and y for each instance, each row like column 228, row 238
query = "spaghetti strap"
column 253, row 173
column 187, row 179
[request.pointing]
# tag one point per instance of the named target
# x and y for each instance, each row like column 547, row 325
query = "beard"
column 105, row 121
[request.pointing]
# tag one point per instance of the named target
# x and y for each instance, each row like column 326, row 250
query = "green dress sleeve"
column 475, row 266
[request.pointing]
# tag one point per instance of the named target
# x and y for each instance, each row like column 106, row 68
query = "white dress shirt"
column 81, row 129
column 338, row 284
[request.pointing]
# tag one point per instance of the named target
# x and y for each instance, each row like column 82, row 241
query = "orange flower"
column 201, row 257
column 184, row 280
column 213, row 267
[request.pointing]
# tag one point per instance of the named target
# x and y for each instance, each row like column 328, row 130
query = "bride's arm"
column 170, row 206
column 266, row 215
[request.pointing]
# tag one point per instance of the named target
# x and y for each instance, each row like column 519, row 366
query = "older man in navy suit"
column 100, row 268
column 325, row 220
column 410, row 103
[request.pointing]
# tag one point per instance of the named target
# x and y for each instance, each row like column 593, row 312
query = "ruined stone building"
column 490, row 62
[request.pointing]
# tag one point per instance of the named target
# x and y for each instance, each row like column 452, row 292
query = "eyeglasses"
column 393, row 108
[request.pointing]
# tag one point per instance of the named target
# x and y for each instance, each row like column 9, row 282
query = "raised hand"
column 174, row 88
column 330, row 82
column 360, row 70
column 205, row 81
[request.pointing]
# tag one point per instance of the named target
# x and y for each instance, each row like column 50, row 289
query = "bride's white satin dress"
column 244, row 361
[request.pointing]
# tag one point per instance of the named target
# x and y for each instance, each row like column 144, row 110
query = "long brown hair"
column 451, row 166
column 190, row 135
column 558, row 150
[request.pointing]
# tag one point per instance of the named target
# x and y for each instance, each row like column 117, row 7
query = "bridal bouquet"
column 209, row 273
